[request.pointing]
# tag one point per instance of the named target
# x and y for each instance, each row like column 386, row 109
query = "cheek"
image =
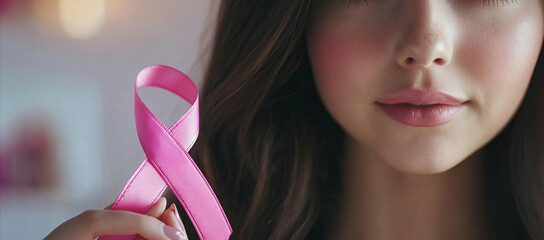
column 501, row 63
column 342, row 54
column 348, row 65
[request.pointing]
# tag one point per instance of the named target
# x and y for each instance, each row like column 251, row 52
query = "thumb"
column 157, row 209
column 171, row 217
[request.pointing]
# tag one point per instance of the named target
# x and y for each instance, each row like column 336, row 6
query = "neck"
column 383, row 203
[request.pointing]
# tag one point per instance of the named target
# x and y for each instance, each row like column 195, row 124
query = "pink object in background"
column 168, row 162
column 28, row 158
column 5, row 174
column 4, row 6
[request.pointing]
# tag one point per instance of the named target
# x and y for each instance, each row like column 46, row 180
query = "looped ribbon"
column 168, row 162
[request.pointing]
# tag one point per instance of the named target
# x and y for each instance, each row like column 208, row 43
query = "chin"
column 425, row 163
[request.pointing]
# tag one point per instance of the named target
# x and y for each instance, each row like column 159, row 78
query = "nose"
column 426, row 40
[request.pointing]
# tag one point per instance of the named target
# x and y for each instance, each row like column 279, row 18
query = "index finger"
column 108, row 222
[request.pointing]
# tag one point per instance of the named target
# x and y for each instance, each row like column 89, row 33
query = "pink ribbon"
column 168, row 162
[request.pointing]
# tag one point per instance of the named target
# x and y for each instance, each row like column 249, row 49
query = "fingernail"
column 177, row 217
column 173, row 233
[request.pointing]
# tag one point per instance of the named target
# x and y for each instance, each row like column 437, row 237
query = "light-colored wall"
column 85, row 88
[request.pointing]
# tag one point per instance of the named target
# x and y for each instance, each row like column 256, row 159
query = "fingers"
column 157, row 209
column 171, row 217
column 118, row 222
column 93, row 223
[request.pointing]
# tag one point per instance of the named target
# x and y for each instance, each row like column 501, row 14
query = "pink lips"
column 421, row 108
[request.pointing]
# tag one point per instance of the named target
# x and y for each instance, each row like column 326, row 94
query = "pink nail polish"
column 173, row 233
column 178, row 218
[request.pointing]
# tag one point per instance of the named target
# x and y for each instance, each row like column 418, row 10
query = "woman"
column 376, row 119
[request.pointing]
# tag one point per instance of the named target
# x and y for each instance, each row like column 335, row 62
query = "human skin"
column 482, row 53
column 157, row 223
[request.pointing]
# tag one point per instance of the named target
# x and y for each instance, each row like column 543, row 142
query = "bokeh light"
column 81, row 18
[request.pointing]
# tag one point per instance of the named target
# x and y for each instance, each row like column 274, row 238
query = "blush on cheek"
column 346, row 54
column 328, row 55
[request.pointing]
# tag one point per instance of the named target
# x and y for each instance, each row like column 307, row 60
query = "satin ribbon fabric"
column 168, row 163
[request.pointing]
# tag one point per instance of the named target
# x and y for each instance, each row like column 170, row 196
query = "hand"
column 156, row 224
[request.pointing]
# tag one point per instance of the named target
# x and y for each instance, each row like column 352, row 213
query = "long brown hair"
column 273, row 154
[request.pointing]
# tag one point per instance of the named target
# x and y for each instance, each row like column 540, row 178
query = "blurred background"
column 67, row 69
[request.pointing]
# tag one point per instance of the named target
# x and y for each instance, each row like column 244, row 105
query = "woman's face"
column 374, row 62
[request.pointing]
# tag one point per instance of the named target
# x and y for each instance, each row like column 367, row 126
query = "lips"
column 421, row 108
